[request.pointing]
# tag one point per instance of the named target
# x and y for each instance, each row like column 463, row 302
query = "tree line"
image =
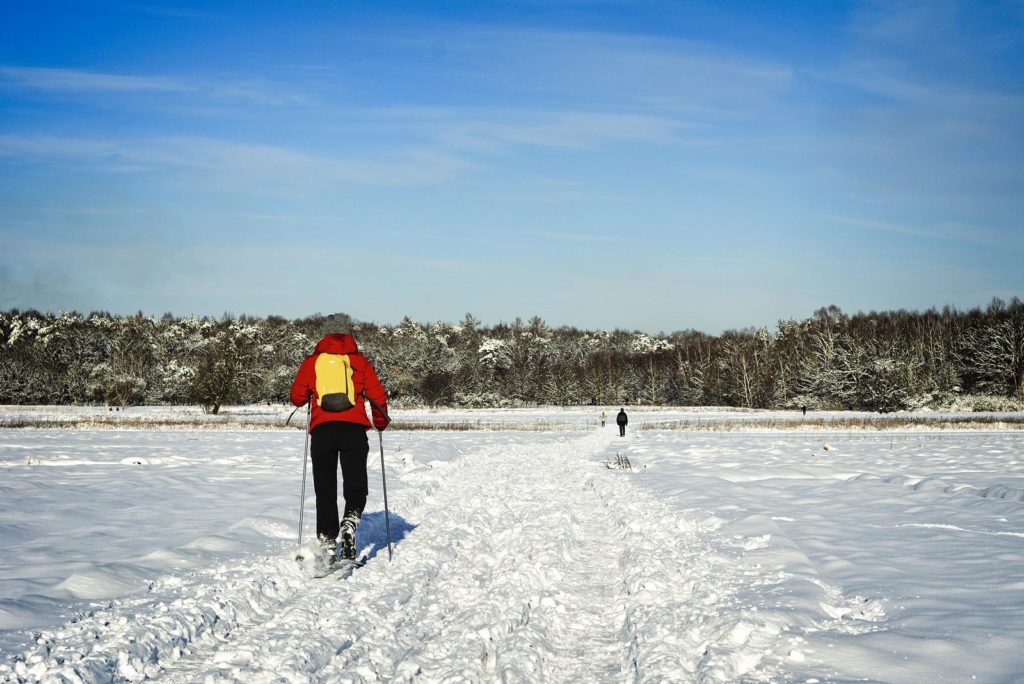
column 869, row 361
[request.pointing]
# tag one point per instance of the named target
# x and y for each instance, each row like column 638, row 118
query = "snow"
column 735, row 554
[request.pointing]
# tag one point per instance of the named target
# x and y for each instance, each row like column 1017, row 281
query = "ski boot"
column 348, row 536
column 329, row 546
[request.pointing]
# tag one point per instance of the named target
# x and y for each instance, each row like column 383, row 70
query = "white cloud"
column 37, row 147
column 200, row 92
column 76, row 81
column 595, row 71
column 944, row 231
column 923, row 118
column 568, row 236
column 267, row 167
column 556, row 129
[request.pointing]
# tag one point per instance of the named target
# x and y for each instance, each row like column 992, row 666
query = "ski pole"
column 387, row 519
column 305, row 450
column 383, row 475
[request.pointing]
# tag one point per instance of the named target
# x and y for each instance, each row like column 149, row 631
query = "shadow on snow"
column 372, row 532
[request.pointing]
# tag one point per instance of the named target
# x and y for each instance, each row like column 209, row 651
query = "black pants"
column 332, row 443
column 622, row 430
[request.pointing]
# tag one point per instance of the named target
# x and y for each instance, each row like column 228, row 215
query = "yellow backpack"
column 334, row 389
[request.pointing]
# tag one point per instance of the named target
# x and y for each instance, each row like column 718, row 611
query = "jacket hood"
column 336, row 343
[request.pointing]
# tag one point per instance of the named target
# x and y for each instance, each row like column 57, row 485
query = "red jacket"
column 364, row 381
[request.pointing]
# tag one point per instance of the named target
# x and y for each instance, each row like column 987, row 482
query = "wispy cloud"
column 968, row 102
column 566, row 236
column 77, row 81
column 944, row 231
column 883, row 226
column 258, row 92
column 488, row 129
column 41, row 147
column 927, row 55
column 480, row 129
column 238, row 164
column 171, row 11
column 559, row 129
column 903, row 21
column 597, row 67
column 441, row 143
column 923, row 118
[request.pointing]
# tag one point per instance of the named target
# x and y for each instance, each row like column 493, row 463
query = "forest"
column 888, row 361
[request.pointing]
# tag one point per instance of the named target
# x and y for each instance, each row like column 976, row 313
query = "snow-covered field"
column 734, row 555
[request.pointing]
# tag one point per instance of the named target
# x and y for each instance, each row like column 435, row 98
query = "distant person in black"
column 622, row 419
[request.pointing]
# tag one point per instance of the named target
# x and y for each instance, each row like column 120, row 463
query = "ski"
column 341, row 567
column 316, row 562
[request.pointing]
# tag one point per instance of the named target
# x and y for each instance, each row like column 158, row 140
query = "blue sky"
column 653, row 165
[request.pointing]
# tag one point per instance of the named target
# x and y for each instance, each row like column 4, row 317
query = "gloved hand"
column 380, row 423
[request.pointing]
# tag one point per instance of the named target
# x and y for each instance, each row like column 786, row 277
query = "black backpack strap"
column 378, row 407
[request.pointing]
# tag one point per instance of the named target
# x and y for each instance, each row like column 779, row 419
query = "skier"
column 602, row 418
column 622, row 419
column 335, row 378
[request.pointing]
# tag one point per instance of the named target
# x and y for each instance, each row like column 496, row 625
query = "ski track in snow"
column 526, row 564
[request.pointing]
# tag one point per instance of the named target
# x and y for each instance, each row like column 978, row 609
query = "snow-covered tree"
column 992, row 354
column 881, row 361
